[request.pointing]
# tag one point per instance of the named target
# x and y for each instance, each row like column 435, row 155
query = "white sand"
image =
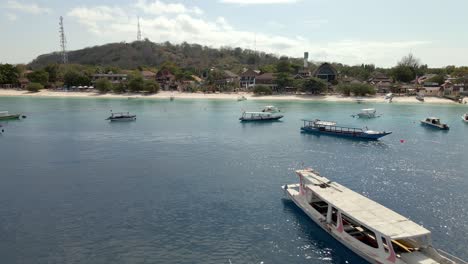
column 225, row 96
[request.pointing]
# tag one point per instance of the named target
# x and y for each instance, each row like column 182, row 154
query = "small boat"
column 359, row 100
column 434, row 122
column 5, row 115
column 120, row 117
column 465, row 118
column 270, row 109
column 241, row 98
column 389, row 96
column 420, row 97
column 330, row 128
column 369, row 229
column 259, row 116
column 367, row 113
column 171, row 98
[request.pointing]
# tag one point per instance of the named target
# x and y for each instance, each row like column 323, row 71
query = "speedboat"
column 465, row 118
column 259, row 116
column 434, row 122
column 367, row 113
column 330, row 128
column 271, row 109
column 5, row 115
column 369, row 229
column 120, row 117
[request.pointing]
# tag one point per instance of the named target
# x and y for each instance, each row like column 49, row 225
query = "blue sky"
column 351, row 32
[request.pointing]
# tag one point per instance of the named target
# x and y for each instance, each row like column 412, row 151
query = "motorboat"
column 241, row 98
column 271, row 109
column 259, row 116
column 434, row 122
column 330, row 128
column 465, row 118
column 367, row 113
column 371, row 230
column 121, row 117
column 5, row 115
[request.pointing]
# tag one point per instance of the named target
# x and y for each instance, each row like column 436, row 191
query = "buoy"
column 402, row 141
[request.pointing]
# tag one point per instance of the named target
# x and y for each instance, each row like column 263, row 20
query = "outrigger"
column 374, row 232
column 330, row 128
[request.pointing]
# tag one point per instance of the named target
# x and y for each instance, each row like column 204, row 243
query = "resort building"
column 112, row 77
column 326, row 72
column 228, row 79
column 267, row 79
column 247, row 79
column 381, row 82
column 166, row 80
column 432, row 89
column 148, row 75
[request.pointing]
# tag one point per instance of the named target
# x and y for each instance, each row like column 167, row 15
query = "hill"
column 147, row 53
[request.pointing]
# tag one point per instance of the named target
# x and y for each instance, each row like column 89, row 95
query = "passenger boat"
column 271, row 109
column 259, row 116
column 120, row 117
column 420, row 97
column 5, row 115
column 371, row 230
column 434, row 122
column 465, row 118
column 241, row 98
column 367, row 113
column 330, row 128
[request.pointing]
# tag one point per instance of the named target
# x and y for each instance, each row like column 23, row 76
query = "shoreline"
column 225, row 96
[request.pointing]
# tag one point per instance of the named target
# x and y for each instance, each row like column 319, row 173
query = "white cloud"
column 11, row 17
column 158, row 7
column 183, row 24
column 31, row 8
column 258, row 2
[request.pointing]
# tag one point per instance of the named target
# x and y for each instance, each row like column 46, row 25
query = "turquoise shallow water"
column 188, row 183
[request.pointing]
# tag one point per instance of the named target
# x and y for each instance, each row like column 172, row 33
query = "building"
column 166, row 80
column 228, row 79
column 148, row 75
column 381, row 82
column 247, row 79
column 432, row 89
column 112, row 77
column 267, row 79
column 424, row 78
column 326, row 72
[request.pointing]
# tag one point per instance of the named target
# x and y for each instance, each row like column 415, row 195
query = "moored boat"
column 241, row 98
column 120, row 117
column 259, row 116
column 271, row 109
column 367, row 113
column 420, row 97
column 434, row 122
column 465, row 118
column 371, row 230
column 330, row 128
column 5, row 115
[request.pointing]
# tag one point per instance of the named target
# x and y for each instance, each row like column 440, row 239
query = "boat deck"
column 362, row 209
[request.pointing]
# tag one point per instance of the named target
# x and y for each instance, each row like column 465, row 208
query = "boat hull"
column 266, row 119
column 356, row 135
column 435, row 126
column 127, row 119
column 10, row 117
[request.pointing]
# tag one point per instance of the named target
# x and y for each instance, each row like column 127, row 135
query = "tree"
column 262, row 90
column 75, row 78
column 283, row 65
column 39, row 76
column 283, row 80
column 136, row 83
column 119, row 88
column 359, row 89
column 403, row 73
column 9, row 74
column 151, row 86
column 410, row 61
column 34, row 87
column 314, row 86
column 52, row 70
column 440, row 79
column 103, row 85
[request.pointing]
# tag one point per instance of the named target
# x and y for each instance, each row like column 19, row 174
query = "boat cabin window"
column 319, row 205
column 359, row 232
column 385, row 245
column 408, row 245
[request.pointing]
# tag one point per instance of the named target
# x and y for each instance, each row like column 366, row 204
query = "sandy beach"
column 223, row 96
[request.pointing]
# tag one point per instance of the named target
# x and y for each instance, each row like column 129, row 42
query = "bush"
column 262, row 90
column 314, row 85
column 103, row 85
column 40, row 76
column 136, row 84
column 34, row 87
column 118, row 88
column 359, row 89
column 151, row 86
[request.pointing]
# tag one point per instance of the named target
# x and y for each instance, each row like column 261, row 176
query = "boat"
column 241, row 98
column 465, row 118
column 5, row 115
column 434, row 122
column 119, row 117
column 389, row 96
column 330, row 128
column 171, row 98
column 367, row 113
column 369, row 229
column 259, row 116
column 420, row 97
column 360, row 100
column 271, row 109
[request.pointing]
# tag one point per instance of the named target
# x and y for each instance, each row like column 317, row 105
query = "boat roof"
column 368, row 109
column 362, row 209
column 258, row 113
column 320, row 122
column 433, row 118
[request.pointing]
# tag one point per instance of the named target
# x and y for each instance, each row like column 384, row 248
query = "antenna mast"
column 139, row 30
column 63, row 42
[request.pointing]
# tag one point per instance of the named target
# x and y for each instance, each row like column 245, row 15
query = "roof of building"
column 362, row 209
column 148, row 73
column 249, row 72
column 230, row 74
column 266, row 76
column 325, row 68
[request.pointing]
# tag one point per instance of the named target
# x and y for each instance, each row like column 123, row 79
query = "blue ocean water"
column 188, row 183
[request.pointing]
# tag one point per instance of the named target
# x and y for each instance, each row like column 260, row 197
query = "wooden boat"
column 121, row 117
column 259, row 116
column 465, row 118
column 5, row 115
column 435, row 123
column 367, row 113
column 374, row 232
column 330, row 128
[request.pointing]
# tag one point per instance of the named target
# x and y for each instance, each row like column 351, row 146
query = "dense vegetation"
column 358, row 89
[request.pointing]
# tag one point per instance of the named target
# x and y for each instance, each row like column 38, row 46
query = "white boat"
column 121, row 117
column 434, row 122
column 259, row 116
column 271, row 109
column 367, row 113
column 420, row 97
column 374, row 232
column 241, row 98
column 389, row 97
column 5, row 115
column 465, row 118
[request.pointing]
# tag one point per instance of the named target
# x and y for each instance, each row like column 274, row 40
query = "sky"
column 345, row 31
